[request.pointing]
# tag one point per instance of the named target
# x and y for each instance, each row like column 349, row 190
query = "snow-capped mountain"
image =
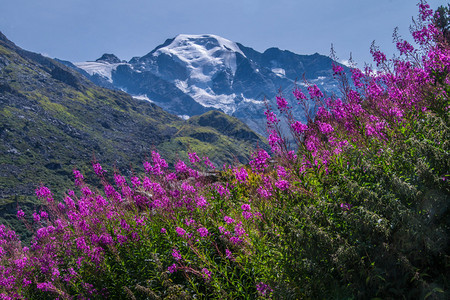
column 191, row 74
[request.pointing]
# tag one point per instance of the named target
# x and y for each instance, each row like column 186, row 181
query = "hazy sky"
column 80, row 30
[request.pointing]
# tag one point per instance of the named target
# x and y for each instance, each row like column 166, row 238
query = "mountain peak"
column 109, row 58
column 209, row 43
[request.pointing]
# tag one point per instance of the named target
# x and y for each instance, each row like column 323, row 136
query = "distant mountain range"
column 191, row 74
column 52, row 119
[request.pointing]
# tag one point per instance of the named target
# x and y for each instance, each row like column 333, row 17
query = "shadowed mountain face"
column 52, row 120
column 190, row 74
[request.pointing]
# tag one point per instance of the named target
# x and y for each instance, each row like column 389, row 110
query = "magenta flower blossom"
column 263, row 288
column 245, row 207
column 193, row 158
column 228, row 219
column 259, row 160
column 203, row 231
column 299, row 127
column 201, row 202
column 44, row 193
column 274, row 141
column 282, row 103
column 119, row 180
column 247, row 215
column 282, row 184
column 172, row 269
column 20, row 214
column 36, row 217
column 180, row 231
column 181, row 167
column 228, row 254
column 176, row 254
column 325, row 128
column 298, row 94
column 271, row 118
column 208, row 163
column 346, row 206
column 337, row 69
column 78, row 177
column 206, row 274
column 378, row 56
column 98, row 169
column 264, row 193
column 314, row 92
column 404, row 47
column 135, row 181
column 163, row 230
column 239, row 230
column 281, row 172
column 46, row 286
column 241, row 174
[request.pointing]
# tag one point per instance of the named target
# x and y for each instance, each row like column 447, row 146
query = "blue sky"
column 80, row 30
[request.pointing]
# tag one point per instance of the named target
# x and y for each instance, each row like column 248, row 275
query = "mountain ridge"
column 215, row 73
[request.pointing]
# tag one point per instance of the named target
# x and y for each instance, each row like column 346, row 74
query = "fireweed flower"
column 241, row 174
column 263, row 288
column 180, row 231
column 193, row 158
column 247, row 215
column 203, row 231
column 78, row 177
column 181, row 167
column 346, row 206
column 119, row 180
column 271, row 118
column 264, row 193
column 44, row 214
column 337, row 69
column 239, row 230
column 404, row 47
column 298, row 127
column 245, row 207
column 187, row 188
column 325, row 128
column 36, row 217
column 20, row 214
column 282, row 103
column 223, row 191
column 201, row 202
column 208, row 163
column 259, row 160
column 228, row 254
column 135, row 181
column 282, row 185
column 172, row 269
column 281, row 172
column 176, row 254
column 206, row 274
column 314, row 92
column 425, row 11
column 378, row 56
column 98, row 169
column 274, row 141
column 44, row 193
column 298, row 94
column 163, row 230
column 228, row 219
